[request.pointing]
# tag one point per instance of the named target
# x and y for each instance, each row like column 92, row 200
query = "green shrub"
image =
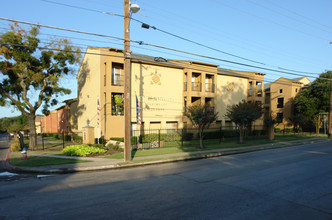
column 77, row 139
column 188, row 136
column 101, row 141
column 289, row 130
column 101, row 146
column 115, row 147
column 117, row 139
column 229, row 133
column 277, row 130
column 81, row 150
column 15, row 146
column 56, row 136
column 212, row 135
column 258, row 132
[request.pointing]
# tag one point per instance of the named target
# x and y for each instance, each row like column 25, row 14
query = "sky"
column 287, row 39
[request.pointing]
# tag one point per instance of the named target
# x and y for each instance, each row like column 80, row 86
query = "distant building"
column 61, row 120
column 279, row 98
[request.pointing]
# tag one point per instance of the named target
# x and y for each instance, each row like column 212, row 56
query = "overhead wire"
column 158, row 46
column 270, row 21
column 287, row 16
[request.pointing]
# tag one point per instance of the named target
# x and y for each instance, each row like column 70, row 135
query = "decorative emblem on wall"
column 155, row 78
column 230, row 86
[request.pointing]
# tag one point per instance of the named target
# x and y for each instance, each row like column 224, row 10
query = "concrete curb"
column 46, row 170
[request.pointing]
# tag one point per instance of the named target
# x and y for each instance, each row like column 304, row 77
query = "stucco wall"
column 89, row 79
column 160, row 93
column 230, row 90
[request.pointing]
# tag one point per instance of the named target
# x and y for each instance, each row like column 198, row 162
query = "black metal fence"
column 155, row 138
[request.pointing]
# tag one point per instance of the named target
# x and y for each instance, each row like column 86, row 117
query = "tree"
column 244, row 114
column 297, row 120
column 201, row 116
column 314, row 99
column 269, row 122
column 30, row 72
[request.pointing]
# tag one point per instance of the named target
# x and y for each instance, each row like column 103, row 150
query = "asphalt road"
column 286, row 183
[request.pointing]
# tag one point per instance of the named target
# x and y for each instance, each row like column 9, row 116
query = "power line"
column 270, row 21
column 297, row 14
column 295, row 19
column 162, row 47
column 163, row 31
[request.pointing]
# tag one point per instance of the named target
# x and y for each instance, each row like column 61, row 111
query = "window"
column 280, row 103
column 280, row 117
column 259, row 89
column 116, row 73
column 171, row 126
column 280, row 90
column 296, row 90
column 228, row 124
column 250, row 88
column 117, row 104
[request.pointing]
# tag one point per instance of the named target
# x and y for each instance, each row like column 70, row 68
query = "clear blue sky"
column 275, row 34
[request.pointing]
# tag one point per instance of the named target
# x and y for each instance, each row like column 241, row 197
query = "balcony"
column 117, row 82
column 209, row 87
column 196, row 86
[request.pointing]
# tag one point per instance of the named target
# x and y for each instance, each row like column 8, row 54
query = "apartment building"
column 279, row 98
column 163, row 90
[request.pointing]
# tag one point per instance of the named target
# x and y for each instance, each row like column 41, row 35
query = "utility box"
column 88, row 135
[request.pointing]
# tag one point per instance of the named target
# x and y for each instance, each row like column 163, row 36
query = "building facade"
column 163, row 89
column 279, row 99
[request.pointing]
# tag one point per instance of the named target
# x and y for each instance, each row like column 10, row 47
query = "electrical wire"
column 162, row 47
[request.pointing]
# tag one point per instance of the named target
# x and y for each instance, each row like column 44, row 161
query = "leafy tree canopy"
column 30, row 71
column 202, row 117
column 315, row 98
column 244, row 114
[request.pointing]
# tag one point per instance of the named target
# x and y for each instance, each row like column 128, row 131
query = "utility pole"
column 127, row 10
column 127, row 83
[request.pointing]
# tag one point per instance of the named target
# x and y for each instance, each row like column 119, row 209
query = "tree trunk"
column 241, row 135
column 201, row 140
column 32, row 133
column 270, row 132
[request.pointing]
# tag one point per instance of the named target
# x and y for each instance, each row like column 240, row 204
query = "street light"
column 128, row 9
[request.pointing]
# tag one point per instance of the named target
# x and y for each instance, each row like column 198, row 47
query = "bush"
column 212, row 135
column 117, row 139
column 56, row 136
column 101, row 141
column 77, row 139
column 15, row 146
column 101, row 146
column 277, row 130
column 81, row 150
column 229, row 133
column 115, row 147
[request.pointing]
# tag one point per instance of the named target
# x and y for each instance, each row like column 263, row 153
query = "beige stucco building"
column 279, row 98
column 164, row 89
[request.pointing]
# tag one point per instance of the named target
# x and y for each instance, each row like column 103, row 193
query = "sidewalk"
column 104, row 163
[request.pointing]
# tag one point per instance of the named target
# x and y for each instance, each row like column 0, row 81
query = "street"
column 286, row 183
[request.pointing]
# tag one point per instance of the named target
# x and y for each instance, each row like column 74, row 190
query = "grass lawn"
column 193, row 146
column 35, row 161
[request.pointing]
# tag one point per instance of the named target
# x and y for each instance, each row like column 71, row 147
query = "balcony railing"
column 117, row 82
column 209, row 87
column 196, row 86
